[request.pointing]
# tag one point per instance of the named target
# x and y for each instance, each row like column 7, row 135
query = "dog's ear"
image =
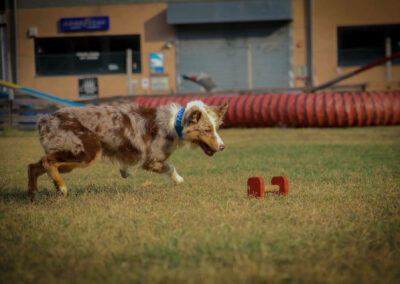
column 194, row 116
column 220, row 110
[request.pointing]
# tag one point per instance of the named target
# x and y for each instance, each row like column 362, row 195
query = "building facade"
column 77, row 51
column 348, row 34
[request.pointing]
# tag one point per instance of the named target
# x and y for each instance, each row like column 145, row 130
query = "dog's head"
column 200, row 126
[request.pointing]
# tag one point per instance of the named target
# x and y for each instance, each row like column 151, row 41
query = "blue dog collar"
column 178, row 124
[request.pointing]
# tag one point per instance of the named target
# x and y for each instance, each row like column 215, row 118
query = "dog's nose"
column 221, row 147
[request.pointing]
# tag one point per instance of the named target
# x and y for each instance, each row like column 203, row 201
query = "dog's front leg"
column 174, row 175
column 164, row 168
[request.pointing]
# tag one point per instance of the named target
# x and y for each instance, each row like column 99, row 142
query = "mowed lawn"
column 340, row 222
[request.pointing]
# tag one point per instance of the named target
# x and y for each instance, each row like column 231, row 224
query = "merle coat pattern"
column 127, row 135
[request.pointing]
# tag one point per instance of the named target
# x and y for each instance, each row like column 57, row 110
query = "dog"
column 127, row 135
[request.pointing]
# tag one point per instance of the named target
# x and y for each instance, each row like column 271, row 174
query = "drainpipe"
column 16, row 61
column 388, row 52
column 308, row 16
column 129, row 70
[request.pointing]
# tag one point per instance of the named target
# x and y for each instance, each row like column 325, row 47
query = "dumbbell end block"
column 283, row 184
column 255, row 187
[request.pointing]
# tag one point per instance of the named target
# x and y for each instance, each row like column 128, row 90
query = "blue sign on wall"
column 84, row 24
column 156, row 63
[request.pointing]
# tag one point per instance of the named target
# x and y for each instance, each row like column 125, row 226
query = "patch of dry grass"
column 340, row 222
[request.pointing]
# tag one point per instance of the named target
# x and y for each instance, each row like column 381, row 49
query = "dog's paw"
column 31, row 195
column 178, row 179
column 124, row 173
column 63, row 190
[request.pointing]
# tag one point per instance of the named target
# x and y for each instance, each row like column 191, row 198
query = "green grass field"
column 340, row 222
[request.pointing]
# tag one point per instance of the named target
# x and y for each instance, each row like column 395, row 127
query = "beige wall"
column 146, row 20
column 149, row 21
column 328, row 15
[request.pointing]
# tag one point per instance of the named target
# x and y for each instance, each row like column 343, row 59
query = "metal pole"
column 388, row 52
column 308, row 11
column 11, row 112
column 3, row 52
column 249, row 67
column 355, row 72
column 129, row 70
column 16, row 78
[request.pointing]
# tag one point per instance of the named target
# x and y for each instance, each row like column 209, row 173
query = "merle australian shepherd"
column 128, row 135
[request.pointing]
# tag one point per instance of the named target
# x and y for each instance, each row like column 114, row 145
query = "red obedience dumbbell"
column 256, row 187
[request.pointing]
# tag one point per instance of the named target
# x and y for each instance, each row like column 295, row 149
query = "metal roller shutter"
column 222, row 51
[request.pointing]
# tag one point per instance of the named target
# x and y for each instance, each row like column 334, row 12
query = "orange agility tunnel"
column 299, row 109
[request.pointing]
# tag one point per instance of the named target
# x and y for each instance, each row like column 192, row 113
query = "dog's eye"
column 208, row 130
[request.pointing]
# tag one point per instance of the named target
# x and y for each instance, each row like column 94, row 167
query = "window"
column 363, row 44
column 2, row 7
column 86, row 55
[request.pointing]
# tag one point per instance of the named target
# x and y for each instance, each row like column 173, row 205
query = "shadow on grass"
column 104, row 189
column 13, row 196
column 16, row 195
